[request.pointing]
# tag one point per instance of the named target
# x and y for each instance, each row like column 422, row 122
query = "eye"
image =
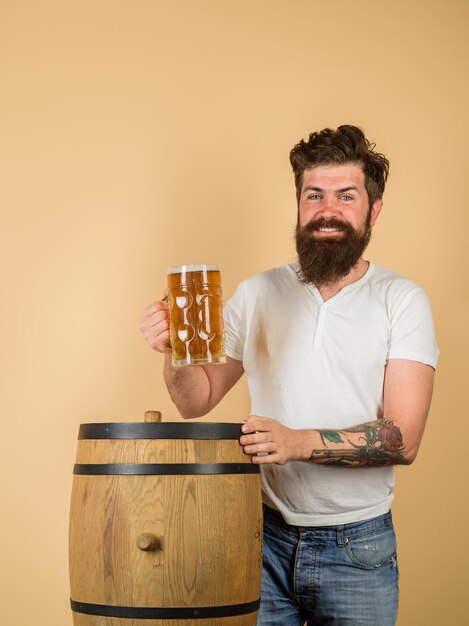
column 314, row 196
column 346, row 197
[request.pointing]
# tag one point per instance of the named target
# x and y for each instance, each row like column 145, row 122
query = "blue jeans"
column 334, row 575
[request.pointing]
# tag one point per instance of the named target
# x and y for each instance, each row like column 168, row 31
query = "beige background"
column 137, row 135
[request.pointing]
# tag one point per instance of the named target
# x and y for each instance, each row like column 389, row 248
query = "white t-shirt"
column 320, row 365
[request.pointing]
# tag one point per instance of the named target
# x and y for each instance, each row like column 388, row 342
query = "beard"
column 325, row 261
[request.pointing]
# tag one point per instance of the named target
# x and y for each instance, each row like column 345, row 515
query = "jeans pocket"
column 373, row 549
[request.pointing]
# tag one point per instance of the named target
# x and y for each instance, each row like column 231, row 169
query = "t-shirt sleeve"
column 235, row 324
column 412, row 333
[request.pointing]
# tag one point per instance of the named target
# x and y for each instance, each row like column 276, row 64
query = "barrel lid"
column 158, row 430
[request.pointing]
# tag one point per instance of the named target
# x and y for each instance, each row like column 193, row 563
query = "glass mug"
column 196, row 315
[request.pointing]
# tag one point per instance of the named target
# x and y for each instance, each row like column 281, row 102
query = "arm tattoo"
column 372, row 444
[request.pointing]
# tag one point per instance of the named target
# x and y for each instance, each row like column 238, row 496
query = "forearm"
column 373, row 444
column 189, row 388
column 197, row 389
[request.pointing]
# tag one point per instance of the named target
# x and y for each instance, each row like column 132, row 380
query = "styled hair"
column 347, row 144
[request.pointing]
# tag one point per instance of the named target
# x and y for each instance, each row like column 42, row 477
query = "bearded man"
column 339, row 356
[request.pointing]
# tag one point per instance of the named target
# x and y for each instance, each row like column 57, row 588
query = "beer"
column 196, row 315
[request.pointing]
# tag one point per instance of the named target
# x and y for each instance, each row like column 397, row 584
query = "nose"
column 329, row 207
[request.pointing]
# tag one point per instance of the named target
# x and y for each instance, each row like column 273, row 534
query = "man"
column 339, row 355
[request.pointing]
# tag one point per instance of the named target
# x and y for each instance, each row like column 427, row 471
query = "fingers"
column 261, row 449
column 154, row 325
column 255, row 439
column 266, row 458
column 154, row 307
column 265, row 440
column 254, row 423
column 257, row 442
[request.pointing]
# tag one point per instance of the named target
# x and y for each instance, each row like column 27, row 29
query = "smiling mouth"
column 329, row 231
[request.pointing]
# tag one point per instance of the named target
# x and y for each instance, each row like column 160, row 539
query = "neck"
column 359, row 270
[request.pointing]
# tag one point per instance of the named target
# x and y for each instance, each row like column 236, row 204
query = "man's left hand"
column 276, row 443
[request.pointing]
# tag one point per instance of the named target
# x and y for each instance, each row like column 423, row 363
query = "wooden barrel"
column 165, row 526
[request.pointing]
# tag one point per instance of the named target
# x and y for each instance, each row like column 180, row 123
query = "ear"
column 375, row 211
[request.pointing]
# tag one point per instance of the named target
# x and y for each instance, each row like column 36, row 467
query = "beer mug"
column 196, row 315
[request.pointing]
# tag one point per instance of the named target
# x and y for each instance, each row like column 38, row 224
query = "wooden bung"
column 147, row 542
column 153, row 416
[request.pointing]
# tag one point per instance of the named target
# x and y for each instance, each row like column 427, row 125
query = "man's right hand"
column 154, row 325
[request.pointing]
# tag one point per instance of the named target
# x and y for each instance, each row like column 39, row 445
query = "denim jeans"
column 334, row 575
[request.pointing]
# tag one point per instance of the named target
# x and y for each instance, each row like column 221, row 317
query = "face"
column 334, row 223
column 336, row 192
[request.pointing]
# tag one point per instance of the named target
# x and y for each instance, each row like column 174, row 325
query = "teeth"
column 328, row 230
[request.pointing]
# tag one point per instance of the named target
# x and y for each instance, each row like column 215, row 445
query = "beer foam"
column 180, row 269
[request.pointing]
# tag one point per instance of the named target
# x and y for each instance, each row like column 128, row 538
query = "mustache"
column 322, row 222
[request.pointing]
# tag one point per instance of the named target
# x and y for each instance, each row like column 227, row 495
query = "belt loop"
column 341, row 539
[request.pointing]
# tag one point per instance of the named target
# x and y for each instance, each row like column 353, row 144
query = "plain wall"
column 138, row 135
